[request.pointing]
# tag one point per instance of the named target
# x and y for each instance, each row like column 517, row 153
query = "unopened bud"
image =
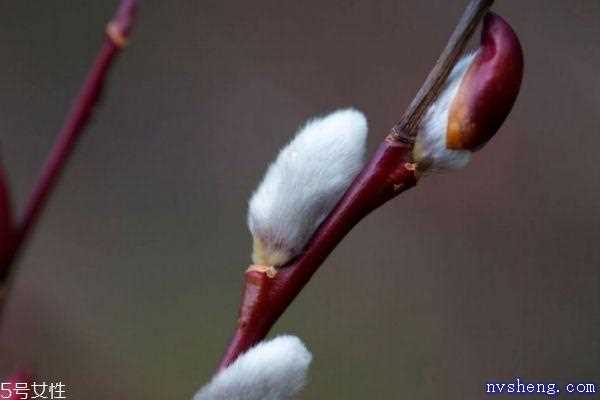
column 478, row 96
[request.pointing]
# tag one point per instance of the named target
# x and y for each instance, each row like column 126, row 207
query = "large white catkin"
column 304, row 183
column 430, row 147
column 272, row 370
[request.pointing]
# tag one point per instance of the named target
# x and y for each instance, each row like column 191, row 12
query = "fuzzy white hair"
column 271, row 370
column 430, row 148
column 304, row 183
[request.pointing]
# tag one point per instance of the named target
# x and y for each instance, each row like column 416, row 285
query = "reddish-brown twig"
column 390, row 172
column 117, row 32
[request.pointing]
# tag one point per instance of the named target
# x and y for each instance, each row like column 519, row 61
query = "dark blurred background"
column 130, row 286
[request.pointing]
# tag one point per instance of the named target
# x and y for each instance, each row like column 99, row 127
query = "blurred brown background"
column 130, row 286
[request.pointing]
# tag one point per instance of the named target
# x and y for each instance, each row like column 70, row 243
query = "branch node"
column 115, row 35
column 268, row 270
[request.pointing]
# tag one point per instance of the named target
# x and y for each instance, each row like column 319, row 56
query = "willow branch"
column 117, row 33
column 390, row 172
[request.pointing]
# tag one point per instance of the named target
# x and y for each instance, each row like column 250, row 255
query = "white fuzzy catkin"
column 304, row 183
column 272, row 370
column 430, row 147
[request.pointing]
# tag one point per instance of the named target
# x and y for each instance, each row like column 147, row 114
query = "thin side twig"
column 117, row 33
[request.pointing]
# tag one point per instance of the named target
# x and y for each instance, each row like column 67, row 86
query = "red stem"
column 77, row 119
column 389, row 173
column 79, row 116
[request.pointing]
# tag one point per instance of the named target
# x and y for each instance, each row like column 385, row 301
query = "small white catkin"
column 430, row 147
column 304, row 183
column 272, row 370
